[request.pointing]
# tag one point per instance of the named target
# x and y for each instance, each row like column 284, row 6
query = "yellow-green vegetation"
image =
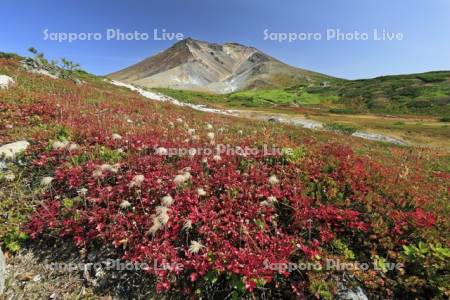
column 418, row 94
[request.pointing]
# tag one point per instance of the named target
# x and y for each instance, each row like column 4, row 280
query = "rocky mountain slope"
column 195, row 65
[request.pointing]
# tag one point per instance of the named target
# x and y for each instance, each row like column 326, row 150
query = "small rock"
column 58, row 145
column 9, row 151
column 25, row 276
column 274, row 120
column 37, row 278
column 6, row 82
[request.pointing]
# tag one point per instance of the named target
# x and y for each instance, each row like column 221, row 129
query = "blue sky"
column 425, row 26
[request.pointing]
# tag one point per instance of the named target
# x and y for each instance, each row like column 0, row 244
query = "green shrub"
column 8, row 55
column 346, row 129
column 347, row 111
column 430, row 262
column 433, row 77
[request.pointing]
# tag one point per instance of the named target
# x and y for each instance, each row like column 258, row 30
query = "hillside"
column 196, row 65
column 90, row 171
column 418, row 94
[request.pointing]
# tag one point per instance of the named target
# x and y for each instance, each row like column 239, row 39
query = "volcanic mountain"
column 196, row 65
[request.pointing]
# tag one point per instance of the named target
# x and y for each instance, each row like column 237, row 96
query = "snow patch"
column 43, row 72
column 379, row 138
column 163, row 98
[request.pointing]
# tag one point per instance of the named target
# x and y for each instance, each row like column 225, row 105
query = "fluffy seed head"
column 46, row 181
column 191, row 131
column 10, row 177
column 195, row 247
column 125, row 204
column 57, row 145
column 273, row 180
column 82, row 192
column 116, row 136
column 137, row 181
column 182, row 178
column 72, row 147
column 167, row 200
column 97, row 173
column 187, row 225
column 201, row 192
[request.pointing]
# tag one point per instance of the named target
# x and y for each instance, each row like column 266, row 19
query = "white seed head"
column 46, row 181
column 167, row 200
column 105, row 167
column 195, row 247
column 97, row 173
column 163, row 218
column 161, row 210
column 82, row 192
column 156, row 226
column 10, row 177
column 182, row 178
column 179, row 179
column 187, row 225
column 57, row 145
column 191, row 131
column 273, row 180
column 116, row 136
column 137, row 181
column 272, row 199
column 125, row 204
column 201, row 192
column 114, row 168
column 73, row 147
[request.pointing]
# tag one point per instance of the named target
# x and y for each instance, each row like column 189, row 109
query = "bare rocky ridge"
column 195, row 65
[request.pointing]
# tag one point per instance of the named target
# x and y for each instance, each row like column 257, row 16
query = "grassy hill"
column 421, row 94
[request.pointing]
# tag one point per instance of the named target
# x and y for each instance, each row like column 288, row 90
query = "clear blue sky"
column 424, row 23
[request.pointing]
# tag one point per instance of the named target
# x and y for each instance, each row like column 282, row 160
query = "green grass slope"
column 421, row 94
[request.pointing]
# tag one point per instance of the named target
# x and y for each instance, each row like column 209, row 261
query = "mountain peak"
column 221, row 68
